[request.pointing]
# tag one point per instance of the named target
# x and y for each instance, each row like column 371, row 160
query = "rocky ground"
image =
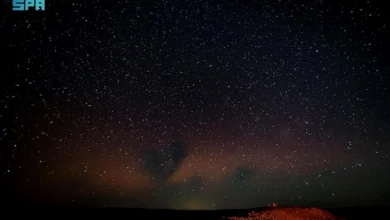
column 289, row 213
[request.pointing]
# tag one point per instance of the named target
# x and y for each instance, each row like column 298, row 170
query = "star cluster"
column 196, row 104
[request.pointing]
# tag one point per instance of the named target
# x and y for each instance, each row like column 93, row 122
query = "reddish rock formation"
column 289, row 213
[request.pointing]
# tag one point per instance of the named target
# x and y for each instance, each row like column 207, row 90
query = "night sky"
column 195, row 104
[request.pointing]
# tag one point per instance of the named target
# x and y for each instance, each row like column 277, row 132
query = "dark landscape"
column 349, row 213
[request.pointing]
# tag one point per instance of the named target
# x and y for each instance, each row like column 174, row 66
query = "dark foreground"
column 369, row 213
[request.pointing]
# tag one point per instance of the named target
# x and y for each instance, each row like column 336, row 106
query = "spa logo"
column 24, row 5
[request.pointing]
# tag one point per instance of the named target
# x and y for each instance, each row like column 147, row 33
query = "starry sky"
column 196, row 104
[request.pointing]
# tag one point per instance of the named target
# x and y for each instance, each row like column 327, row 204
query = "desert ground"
column 290, row 213
column 264, row 213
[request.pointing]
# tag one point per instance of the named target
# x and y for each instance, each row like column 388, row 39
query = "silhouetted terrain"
column 350, row 213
